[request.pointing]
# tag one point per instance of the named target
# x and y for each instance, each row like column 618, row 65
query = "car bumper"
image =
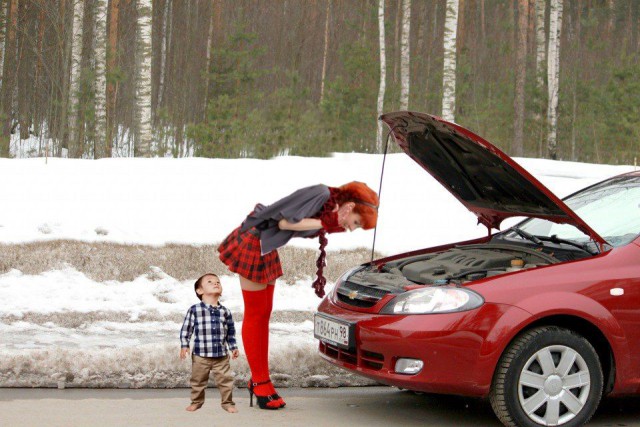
column 457, row 349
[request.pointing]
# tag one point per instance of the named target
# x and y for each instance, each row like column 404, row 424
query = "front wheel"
column 548, row 376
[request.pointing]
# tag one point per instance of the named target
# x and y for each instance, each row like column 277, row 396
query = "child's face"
column 210, row 285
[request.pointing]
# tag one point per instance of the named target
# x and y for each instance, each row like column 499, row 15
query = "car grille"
column 359, row 296
column 368, row 359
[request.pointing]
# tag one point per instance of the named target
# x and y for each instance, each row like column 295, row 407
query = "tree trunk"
column 8, row 76
column 611, row 5
column 166, row 38
column 101, row 148
column 396, row 43
column 210, row 45
column 3, row 34
column 574, row 108
column 383, row 73
column 483, row 33
column 40, row 89
column 112, row 90
column 430, row 55
column 25, row 76
column 576, row 46
column 74, row 95
column 540, row 58
column 64, row 59
column 326, row 50
column 540, row 43
column 405, row 78
column 553, row 75
column 143, row 79
column 157, row 36
column 521, row 74
column 449, row 71
column 460, row 36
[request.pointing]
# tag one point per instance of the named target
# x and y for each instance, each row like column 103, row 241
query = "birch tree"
column 3, row 34
column 326, row 49
column 74, row 95
column 449, row 71
column 114, row 14
column 405, row 55
column 143, row 79
column 553, row 75
column 210, row 45
column 383, row 72
column 521, row 74
column 101, row 146
column 540, row 58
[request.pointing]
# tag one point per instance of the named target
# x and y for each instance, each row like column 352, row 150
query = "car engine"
column 457, row 265
column 472, row 262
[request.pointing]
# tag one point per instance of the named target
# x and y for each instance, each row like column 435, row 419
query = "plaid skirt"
column 241, row 253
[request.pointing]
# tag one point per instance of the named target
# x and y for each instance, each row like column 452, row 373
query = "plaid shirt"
column 213, row 327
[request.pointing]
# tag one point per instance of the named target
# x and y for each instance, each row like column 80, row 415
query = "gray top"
column 303, row 203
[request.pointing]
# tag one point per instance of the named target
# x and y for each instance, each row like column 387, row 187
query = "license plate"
column 334, row 331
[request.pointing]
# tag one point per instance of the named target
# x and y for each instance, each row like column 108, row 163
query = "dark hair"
column 198, row 284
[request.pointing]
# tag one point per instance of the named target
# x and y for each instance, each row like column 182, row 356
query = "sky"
column 198, row 201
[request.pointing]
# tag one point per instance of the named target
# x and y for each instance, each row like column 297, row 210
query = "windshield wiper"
column 527, row 236
column 555, row 239
column 539, row 240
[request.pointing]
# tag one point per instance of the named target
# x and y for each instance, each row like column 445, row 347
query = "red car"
column 542, row 318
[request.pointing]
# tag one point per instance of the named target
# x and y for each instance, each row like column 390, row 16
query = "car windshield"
column 611, row 208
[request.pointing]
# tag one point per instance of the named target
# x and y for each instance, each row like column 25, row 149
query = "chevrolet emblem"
column 353, row 294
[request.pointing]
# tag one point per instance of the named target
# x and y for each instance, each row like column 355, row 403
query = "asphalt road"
column 358, row 406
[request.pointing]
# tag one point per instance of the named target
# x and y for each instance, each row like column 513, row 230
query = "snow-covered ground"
column 63, row 326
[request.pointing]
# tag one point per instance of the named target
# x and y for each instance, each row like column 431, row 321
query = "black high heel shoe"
column 263, row 401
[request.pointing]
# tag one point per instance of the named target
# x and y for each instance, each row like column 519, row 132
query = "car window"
column 611, row 208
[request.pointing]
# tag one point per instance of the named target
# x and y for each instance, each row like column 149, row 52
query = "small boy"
column 214, row 330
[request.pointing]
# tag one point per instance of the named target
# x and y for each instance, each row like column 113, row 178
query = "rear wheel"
column 548, row 376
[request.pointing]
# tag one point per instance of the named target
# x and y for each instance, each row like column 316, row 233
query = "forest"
column 556, row 79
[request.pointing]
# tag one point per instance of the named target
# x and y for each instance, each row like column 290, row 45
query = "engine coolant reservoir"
column 516, row 264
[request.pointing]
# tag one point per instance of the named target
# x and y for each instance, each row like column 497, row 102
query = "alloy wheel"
column 554, row 385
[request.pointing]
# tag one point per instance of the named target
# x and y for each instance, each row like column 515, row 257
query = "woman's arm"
column 305, row 224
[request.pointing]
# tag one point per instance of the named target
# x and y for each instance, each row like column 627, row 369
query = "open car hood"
column 487, row 181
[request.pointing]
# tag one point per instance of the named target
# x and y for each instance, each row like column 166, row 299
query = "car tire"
column 532, row 385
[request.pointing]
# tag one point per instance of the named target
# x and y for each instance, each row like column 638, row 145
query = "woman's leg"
column 265, row 335
column 248, row 285
column 255, row 330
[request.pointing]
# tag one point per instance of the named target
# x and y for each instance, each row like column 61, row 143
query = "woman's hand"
column 305, row 224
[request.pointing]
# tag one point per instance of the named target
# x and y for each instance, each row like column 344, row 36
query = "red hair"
column 366, row 201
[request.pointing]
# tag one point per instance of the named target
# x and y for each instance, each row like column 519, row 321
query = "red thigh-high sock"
column 265, row 338
column 256, row 304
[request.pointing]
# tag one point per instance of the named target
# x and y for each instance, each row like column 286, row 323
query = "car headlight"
column 434, row 299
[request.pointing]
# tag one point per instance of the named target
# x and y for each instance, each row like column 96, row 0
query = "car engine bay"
column 456, row 265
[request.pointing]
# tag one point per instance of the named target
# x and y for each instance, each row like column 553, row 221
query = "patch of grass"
column 112, row 261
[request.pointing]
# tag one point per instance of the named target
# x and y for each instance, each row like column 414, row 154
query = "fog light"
column 409, row 366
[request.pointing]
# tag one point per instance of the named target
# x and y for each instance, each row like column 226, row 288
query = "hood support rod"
column 384, row 159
